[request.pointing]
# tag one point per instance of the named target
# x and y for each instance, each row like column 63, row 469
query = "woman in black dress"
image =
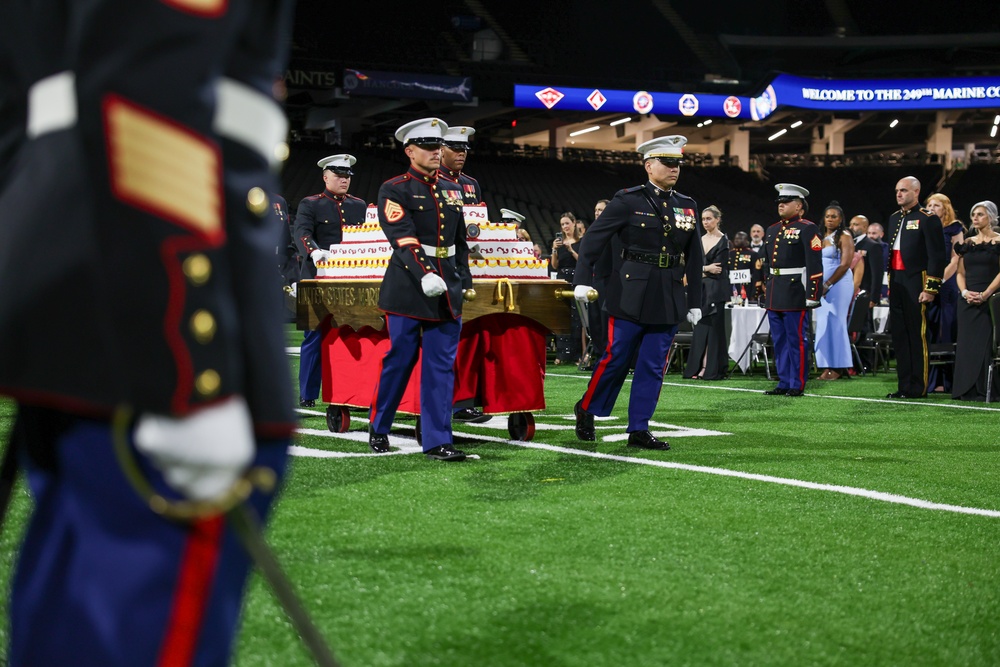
column 564, row 256
column 709, row 358
column 978, row 278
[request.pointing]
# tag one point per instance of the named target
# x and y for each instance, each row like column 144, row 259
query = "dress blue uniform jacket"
column 921, row 246
column 471, row 192
column 638, row 291
column 319, row 223
column 792, row 244
column 417, row 210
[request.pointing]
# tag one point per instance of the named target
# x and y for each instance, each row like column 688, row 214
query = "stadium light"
column 996, row 121
column 776, row 135
column 894, row 123
column 620, row 121
column 796, row 124
column 584, row 131
column 993, row 131
column 707, row 122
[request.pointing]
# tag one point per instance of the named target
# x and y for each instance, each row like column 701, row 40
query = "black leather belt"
column 661, row 260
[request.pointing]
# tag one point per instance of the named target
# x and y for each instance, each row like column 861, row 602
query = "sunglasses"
column 670, row 161
column 785, row 200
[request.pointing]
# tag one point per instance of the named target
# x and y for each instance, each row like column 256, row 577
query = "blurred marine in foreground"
column 146, row 350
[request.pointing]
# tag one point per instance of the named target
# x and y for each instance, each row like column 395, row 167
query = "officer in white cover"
column 318, row 225
column 655, row 229
column 422, row 292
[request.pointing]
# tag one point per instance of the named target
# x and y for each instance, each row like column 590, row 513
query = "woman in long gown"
column 563, row 260
column 978, row 278
column 943, row 311
column 709, row 357
column 833, row 347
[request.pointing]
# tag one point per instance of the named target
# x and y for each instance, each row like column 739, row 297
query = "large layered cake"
column 495, row 250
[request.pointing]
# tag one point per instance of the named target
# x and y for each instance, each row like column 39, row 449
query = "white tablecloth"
column 745, row 320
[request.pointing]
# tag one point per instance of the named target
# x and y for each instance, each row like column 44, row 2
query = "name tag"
column 738, row 277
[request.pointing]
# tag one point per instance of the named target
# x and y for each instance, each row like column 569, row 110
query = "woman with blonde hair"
column 942, row 313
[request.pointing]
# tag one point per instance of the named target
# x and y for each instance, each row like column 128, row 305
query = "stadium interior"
column 675, row 47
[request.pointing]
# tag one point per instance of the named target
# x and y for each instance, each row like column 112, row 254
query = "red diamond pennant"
column 549, row 97
column 596, row 99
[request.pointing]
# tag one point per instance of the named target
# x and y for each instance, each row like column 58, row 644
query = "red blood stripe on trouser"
column 194, row 586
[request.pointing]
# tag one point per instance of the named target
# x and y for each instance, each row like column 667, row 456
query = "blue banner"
column 885, row 94
column 702, row 105
column 398, row 84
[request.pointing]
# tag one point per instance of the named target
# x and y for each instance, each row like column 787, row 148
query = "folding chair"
column 995, row 346
column 682, row 341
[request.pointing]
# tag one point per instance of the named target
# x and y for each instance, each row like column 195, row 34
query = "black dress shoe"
column 777, row 391
column 307, row 403
column 470, row 416
column 379, row 442
column 793, row 392
column 646, row 440
column 445, row 453
column 584, row 423
column 900, row 394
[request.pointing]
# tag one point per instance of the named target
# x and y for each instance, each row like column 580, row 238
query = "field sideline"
column 833, row 529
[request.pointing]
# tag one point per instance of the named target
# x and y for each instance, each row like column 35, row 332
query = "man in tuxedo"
column 869, row 288
column 756, row 238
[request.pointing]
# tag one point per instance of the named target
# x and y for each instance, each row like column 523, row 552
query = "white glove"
column 318, row 255
column 694, row 315
column 293, row 289
column 203, row 454
column 812, row 304
column 433, row 285
column 580, row 293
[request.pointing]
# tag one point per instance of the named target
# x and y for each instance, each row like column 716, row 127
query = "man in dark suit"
column 916, row 264
column 657, row 229
column 870, row 287
column 794, row 270
column 422, row 292
column 319, row 223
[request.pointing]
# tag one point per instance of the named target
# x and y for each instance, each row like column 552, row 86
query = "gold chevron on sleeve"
column 163, row 168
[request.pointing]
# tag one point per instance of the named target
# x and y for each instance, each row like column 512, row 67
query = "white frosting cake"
column 364, row 252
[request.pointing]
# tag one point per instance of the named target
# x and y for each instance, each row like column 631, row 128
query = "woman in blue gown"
column 833, row 347
column 942, row 313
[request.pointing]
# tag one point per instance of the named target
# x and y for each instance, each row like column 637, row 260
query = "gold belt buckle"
column 440, row 252
column 664, row 261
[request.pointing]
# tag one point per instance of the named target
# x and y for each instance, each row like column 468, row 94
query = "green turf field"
column 834, row 529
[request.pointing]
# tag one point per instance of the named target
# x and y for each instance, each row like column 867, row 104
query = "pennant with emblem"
column 816, row 244
column 393, row 211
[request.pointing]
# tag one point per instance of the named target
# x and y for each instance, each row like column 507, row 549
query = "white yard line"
column 408, row 445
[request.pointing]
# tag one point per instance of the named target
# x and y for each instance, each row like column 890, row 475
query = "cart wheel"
column 416, row 432
column 521, row 426
column 338, row 418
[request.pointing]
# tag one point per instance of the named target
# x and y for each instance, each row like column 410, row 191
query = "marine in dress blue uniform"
column 917, row 261
column 319, row 223
column 646, row 299
column 163, row 269
column 793, row 266
column 454, row 154
column 423, row 290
